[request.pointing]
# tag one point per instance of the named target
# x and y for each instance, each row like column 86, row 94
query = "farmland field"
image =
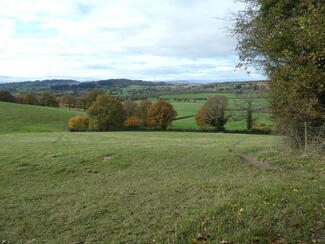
column 145, row 187
column 18, row 118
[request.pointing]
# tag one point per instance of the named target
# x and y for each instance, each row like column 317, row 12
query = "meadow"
column 236, row 118
column 19, row 118
column 151, row 187
column 156, row 187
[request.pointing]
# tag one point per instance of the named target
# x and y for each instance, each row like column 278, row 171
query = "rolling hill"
column 20, row 118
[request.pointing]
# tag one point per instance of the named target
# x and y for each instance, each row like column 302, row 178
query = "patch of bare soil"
column 255, row 162
column 107, row 158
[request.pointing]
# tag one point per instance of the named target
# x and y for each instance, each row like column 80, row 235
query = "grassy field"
column 19, row 118
column 236, row 121
column 155, row 187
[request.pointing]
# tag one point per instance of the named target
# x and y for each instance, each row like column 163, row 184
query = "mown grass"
column 155, row 187
column 20, row 118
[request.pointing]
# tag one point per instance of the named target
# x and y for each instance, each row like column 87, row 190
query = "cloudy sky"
column 136, row 39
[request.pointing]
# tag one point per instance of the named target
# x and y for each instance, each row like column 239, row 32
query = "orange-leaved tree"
column 132, row 122
column 161, row 113
column 79, row 122
column 212, row 113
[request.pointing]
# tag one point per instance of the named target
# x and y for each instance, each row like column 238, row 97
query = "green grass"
column 236, row 122
column 19, row 118
column 155, row 187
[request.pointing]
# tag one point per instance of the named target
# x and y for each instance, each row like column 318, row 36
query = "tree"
column 87, row 100
column 91, row 97
column 143, row 109
column 48, row 99
column 6, row 96
column 286, row 39
column 106, row 113
column 30, row 99
column 212, row 113
column 133, row 122
column 246, row 103
column 69, row 100
column 130, row 107
column 79, row 123
column 161, row 113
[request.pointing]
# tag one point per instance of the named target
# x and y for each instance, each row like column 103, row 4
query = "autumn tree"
column 48, row 99
column 143, row 109
column 106, row 113
column 286, row 39
column 212, row 113
column 161, row 113
column 30, row 99
column 69, row 100
column 6, row 96
column 130, row 107
column 79, row 123
column 88, row 99
column 133, row 122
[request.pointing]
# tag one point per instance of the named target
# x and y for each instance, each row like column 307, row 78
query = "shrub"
column 79, row 123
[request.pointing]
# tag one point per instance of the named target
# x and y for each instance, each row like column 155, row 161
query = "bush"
column 79, row 123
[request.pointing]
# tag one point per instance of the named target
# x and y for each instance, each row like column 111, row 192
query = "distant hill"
column 59, row 85
column 20, row 118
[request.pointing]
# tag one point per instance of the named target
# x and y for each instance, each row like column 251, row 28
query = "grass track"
column 167, row 187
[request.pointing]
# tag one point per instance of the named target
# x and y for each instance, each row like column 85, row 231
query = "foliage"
column 143, row 109
column 30, row 99
column 106, row 113
column 69, row 100
column 86, row 101
column 133, row 122
column 212, row 113
column 130, row 107
column 286, row 38
column 48, row 99
column 6, row 96
column 79, row 122
column 161, row 113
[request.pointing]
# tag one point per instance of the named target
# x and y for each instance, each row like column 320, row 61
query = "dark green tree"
column 48, row 99
column 286, row 39
column 6, row 96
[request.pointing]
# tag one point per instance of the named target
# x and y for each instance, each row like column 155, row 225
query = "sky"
column 157, row 40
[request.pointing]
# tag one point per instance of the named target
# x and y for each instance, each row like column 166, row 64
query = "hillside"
column 20, row 118
column 74, row 86
column 157, row 187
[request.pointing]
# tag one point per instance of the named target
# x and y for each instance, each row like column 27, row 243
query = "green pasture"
column 157, row 187
column 19, row 118
column 236, row 121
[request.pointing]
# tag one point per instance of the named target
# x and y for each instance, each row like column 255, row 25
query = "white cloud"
column 161, row 39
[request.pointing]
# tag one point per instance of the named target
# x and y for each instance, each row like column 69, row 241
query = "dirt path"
column 253, row 161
